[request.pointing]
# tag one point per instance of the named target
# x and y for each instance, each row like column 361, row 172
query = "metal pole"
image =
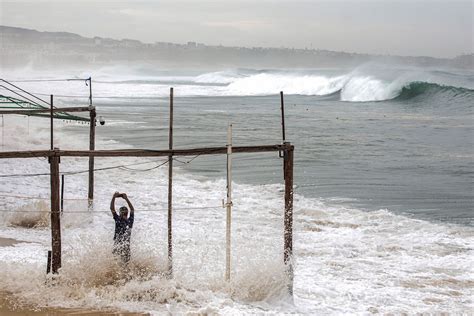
column 92, row 116
column 62, row 194
column 288, row 217
column 282, row 116
column 90, row 194
column 55, row 216
column 48, row 263
column 51, row 115
column 90, row 90
column 170, row 191
column 228, row 203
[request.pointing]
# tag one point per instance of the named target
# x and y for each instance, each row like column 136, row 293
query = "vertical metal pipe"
column 170, row 190
column 48, row 263
column 92, row 117
column 288, row 217
column 228, row 203
column 51, row 115
column 90, row 90
column 62, row 194
column 282, row 103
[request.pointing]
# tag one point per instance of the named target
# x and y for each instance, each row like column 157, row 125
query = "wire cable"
column 84, row 171
column 49, row 80
column 26, row 197
column 187, row 162
column 140, row 211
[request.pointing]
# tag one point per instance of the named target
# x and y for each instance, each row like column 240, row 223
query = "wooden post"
column 55, row 215
column 228, row 203
column 93, row 115
column 288, row 217
column 51, row 127
column 62, row 194
column 282, row 103
column 170, row 191
column 48, row 263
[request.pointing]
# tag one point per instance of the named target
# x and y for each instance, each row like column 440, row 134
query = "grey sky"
column 417, row 27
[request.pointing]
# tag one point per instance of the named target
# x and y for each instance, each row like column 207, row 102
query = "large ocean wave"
column 353, row 86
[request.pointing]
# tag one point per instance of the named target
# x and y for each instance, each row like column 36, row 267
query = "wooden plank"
column 288, row 216
column 55, row 213
column 25, row 154
column 143, row 152
column 38, row 111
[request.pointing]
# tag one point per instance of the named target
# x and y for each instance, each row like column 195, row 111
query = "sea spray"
column 92, row 277
column 32, row 215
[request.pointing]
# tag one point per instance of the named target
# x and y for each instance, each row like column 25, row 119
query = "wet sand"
column 8, row 308
column 8, row 242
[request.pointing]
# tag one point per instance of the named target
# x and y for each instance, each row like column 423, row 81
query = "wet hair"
column 123, row 210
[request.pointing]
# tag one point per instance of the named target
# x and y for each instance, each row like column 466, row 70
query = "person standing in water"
column 123, row 227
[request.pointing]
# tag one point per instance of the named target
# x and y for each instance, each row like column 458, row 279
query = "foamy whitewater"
column 359, row 247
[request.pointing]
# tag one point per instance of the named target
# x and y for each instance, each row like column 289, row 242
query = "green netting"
column 7, row 102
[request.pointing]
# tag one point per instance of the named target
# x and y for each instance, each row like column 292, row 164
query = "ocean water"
column 383, row 178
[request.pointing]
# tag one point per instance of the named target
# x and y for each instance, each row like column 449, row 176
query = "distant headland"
column 20, row 47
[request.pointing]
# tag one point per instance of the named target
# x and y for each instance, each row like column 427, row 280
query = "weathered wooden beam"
column 143, row 152
column 173, row 152
column 26, row 154
column 288, row 216
column 38, row 111
column 55, row 213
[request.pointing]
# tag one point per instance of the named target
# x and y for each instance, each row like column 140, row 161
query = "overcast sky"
column 402, row 27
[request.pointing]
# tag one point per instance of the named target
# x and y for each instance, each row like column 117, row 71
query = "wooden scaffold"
column 285, row 151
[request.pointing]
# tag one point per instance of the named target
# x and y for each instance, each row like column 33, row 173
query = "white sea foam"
column 262, row 84
column 367, row 88
column 218, row 77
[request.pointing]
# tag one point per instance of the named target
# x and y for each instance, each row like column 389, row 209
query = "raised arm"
column 130, row 206
column 112, row 204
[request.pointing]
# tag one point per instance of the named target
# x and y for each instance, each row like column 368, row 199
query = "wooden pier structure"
column 284, row 150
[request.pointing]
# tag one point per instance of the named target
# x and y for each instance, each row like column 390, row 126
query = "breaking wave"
column 352, row 86
column 416, row 89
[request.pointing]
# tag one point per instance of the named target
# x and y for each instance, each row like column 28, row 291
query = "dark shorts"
column 122, row 250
